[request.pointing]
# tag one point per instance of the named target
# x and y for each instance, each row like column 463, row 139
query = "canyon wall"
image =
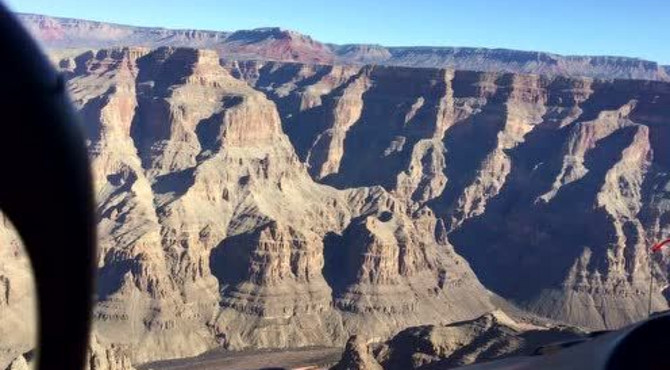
column 212, row 233
column 267, row 204
column 553, row 188
column 276, row 44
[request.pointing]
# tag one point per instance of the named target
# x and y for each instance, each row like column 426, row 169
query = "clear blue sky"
column 603, row 27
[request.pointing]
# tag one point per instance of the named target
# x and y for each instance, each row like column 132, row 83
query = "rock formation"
column 19, row 363
column 277, row 44
column 106, row 358
column 552, row 187
column 212, row 233
column 17, row 301
column 255, row 203
column 58, row 33
column 491, row 336
column 99, row 358
column 357, row 356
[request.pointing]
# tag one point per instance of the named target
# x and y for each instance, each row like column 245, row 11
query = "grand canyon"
column 258, row 189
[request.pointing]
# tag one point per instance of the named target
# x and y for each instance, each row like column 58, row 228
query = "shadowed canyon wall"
column 266, row 204
column 553, row 188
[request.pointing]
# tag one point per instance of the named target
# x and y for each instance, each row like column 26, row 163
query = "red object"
column 659, row 246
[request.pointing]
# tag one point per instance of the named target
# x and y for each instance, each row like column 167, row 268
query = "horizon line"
column 121, row 24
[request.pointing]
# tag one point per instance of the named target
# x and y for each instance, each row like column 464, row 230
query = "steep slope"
column 284, row 45
column 552, row 187
column 212, row 232
column 491, row 336
column 17, row 302
column 98, row 358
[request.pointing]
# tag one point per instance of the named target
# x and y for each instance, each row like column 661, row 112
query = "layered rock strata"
column 553, row 188
column 277, row 44
column 212, row 232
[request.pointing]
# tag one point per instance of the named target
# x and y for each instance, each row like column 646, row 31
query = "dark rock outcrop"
column 491, row 336
column 552, row 187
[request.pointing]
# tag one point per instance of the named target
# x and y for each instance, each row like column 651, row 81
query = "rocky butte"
column 273, row 204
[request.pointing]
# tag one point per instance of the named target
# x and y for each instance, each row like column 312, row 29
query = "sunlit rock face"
column 553, row 188
column 18, row 325
column 212, row 232
column 267, row 204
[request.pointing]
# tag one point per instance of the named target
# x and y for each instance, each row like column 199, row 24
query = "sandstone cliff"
column 17, row 301
column 212, row 233
column 553, row 188
column 99, row 358
column 265, row 204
